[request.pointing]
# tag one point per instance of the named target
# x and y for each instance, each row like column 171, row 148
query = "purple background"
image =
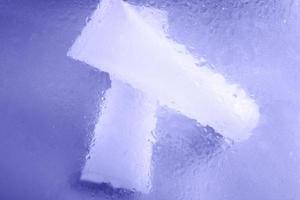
column 49, row 103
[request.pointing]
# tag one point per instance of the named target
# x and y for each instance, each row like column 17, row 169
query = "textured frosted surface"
column 49, row 103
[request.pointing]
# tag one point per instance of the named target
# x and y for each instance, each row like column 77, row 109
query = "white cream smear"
column 147, row 69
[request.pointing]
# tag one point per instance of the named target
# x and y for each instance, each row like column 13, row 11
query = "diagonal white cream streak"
column 131, row 44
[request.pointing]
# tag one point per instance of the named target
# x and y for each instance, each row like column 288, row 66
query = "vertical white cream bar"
column 122, row 150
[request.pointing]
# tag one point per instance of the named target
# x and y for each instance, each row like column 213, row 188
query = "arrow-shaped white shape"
column 131, row 44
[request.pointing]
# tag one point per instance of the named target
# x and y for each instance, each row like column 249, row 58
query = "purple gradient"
column 49, row 103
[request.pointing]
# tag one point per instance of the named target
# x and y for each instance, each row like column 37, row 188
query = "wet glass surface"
column 49, row 103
